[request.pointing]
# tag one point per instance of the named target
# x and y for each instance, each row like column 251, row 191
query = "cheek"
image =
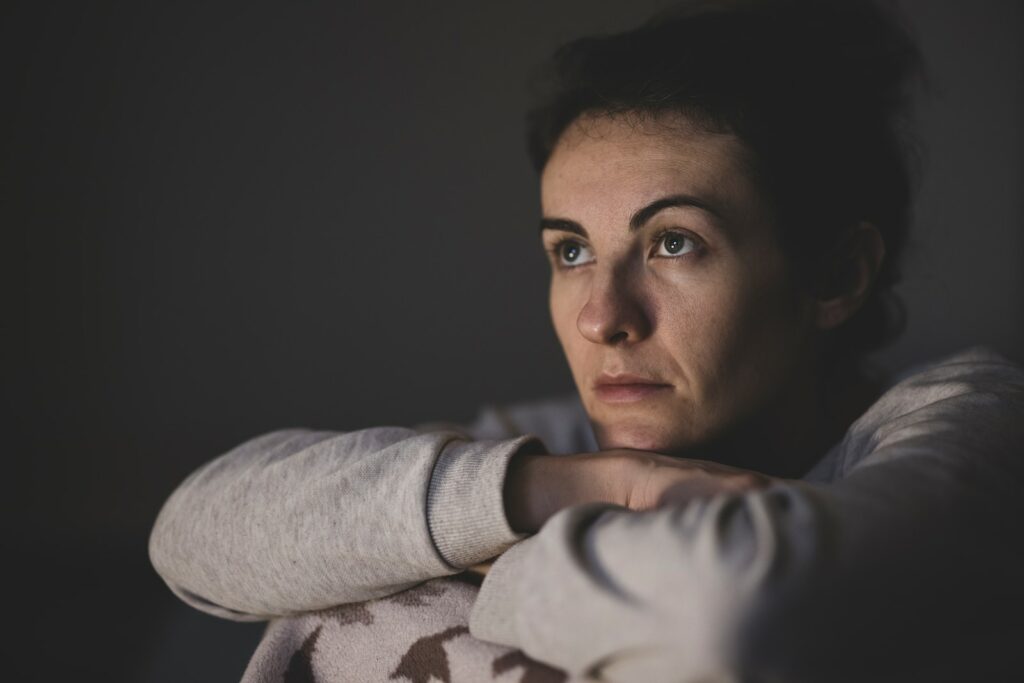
column 564, row 304
column 745, row 334
column 695, row 316
column 558, row 310
column 721, row 326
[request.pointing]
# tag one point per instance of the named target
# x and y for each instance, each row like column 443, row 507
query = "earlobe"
column 848, row 275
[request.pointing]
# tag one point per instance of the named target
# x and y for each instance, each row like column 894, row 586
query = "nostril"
column 613, row 315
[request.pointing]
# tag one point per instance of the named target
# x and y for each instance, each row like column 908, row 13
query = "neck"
column 797, row 428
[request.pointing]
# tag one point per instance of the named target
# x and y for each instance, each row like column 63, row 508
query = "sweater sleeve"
column 299, row 520
column 916, row 544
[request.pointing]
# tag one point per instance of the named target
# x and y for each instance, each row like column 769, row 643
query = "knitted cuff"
column 465, row 501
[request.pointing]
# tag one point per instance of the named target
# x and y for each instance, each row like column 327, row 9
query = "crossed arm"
column 926, row 485
column 300, row 520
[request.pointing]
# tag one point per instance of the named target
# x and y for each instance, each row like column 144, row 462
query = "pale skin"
column 666, row 266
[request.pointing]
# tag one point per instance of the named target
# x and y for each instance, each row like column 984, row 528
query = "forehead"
column 617, row 163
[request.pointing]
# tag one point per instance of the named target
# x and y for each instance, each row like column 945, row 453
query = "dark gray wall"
column 225, row 220
column 964, row 282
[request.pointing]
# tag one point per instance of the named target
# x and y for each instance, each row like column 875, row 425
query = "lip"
column 627, row 388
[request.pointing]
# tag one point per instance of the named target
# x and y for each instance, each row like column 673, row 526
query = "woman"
column 725, row 200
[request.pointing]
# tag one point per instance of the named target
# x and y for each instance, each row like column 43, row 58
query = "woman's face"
column 666, row 270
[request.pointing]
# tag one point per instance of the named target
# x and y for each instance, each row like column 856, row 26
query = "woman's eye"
column 675, row 244
column 571, row 253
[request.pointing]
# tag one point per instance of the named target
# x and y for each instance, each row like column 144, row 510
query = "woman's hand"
column 654, row 480
column 538, row 486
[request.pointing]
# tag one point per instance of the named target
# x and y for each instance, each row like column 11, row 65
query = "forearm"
column 916, row 543
column 793, row 579
column 537, row 487
column 298, row 520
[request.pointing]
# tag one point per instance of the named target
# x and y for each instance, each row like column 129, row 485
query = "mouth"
column 627, row 388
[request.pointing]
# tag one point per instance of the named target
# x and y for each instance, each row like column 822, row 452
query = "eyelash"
column 556, row 249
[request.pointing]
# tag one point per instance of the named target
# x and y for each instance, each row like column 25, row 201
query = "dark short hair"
column 816, row 90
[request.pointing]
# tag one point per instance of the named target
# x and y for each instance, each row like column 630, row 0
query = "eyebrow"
column 639, row 218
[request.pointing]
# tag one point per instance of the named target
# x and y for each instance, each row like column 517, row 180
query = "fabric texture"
column 419, row 635
column 923, row 493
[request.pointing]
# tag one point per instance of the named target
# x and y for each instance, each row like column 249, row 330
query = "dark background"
column 222, row 220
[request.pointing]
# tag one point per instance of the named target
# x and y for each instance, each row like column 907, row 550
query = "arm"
column 299, row 520
column 920, row 538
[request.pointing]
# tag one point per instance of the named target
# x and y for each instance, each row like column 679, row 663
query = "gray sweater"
column 911, row 524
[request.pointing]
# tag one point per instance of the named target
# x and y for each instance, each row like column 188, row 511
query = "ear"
column 847, row 276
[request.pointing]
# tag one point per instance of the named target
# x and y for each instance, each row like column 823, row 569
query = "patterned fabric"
column 420, row 635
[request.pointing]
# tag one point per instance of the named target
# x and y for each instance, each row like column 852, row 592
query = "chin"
column 669, row 425
column 637, row 437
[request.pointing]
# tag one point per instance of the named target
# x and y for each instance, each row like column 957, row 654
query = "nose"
column 614, row 312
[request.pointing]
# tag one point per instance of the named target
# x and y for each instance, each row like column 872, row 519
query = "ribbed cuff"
column 465, row 499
